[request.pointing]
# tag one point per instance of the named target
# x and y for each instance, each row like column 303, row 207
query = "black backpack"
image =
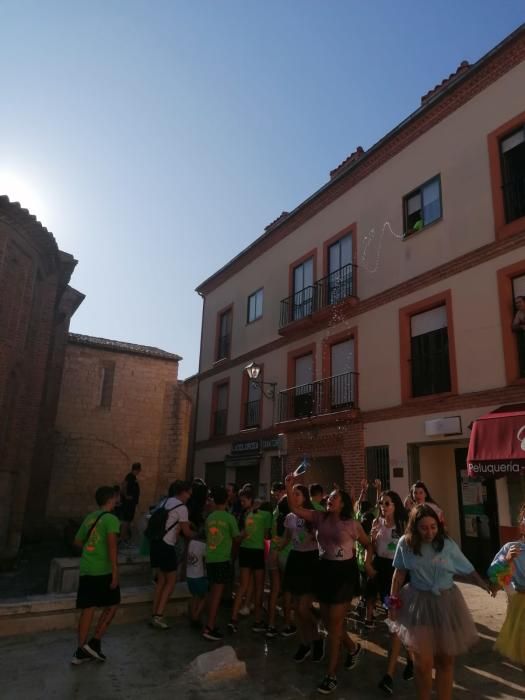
column 156, row 528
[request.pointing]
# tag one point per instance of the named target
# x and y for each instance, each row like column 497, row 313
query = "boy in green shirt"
column 316, row 496
column 98, row 585
column 221, row 531
column 257, row 529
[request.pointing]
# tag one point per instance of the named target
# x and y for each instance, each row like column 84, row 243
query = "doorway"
column 478, row 511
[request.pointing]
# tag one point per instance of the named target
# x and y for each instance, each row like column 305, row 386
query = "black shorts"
column 163, row 556
column 300, row 572
column 380, row 584
column 251, row 558
column 219, row 572
column 336, row 581
column 127, row 511
column 95, row 592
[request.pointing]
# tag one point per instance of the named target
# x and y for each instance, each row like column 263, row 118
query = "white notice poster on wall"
column 472, row 493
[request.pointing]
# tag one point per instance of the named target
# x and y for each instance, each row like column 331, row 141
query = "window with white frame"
column 422, row 206
column 255, row 305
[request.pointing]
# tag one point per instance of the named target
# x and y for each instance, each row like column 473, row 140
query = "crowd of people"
column 316, row 553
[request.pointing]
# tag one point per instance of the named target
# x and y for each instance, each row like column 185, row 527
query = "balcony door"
column 513, row 170
column 430, row 361
column 253, row 405
column 340, row 269
column 518, row 290
column 342, row 364
column 303, row 394
column 303, row 290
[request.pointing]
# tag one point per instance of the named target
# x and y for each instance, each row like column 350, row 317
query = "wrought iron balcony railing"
column 327, row 291
column 337, row 393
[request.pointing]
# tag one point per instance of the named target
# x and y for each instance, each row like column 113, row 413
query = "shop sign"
column 247, row 446
column 270, row 444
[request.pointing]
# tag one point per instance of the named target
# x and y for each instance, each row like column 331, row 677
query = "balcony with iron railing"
column 329, row 395
column 514, row 196
column 252, row 414
column 333, row 289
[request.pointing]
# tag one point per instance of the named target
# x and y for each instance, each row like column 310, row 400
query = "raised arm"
column 363, row 495
column 304, row 513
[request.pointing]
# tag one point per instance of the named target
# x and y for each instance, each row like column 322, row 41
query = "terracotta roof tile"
column 355, row 156
column 282, row 216
column 120, row 346
column 463, row 67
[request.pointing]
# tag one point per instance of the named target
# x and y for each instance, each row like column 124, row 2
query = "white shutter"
column 428, row 321
column 512, row 141
column 342, row 357
column 304, row 370
column 518, row 286
column 414, row 204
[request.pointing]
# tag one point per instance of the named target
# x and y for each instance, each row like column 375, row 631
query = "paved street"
column 144, row 663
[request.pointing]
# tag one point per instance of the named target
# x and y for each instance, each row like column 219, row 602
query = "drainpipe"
column 190, row 469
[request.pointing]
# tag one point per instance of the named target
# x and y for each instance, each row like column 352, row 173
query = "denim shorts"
column 198, row 587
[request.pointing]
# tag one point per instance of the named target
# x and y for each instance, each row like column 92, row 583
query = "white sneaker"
column 159, row 622
column 244, row 611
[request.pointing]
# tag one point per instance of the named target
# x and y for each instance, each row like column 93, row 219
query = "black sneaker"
column 271, row 632
column 233, row 626
column 302, row 653
column 80, row 657
column 94, row 648
column 213, row 635
column 352, row 658
column 317, row 650
column 289, row 631
column 327, row 685
column 258, row 627
column 408, row 673
column 386, row 684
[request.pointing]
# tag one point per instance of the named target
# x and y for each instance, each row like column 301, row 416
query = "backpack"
column 156, row 528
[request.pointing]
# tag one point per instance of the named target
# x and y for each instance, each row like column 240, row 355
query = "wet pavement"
column 145, row 663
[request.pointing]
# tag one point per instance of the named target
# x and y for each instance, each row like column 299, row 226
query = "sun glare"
column 20, row 189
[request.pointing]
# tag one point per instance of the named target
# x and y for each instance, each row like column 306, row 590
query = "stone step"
column 56, row 611
column 64, row 571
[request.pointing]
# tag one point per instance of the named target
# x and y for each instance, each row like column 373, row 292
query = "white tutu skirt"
column 432, row 624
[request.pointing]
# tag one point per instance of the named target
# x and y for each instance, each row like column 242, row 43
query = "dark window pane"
column 430, row 363
column 106, row 387
column 513, row 172
column 225, row 331
column 377, row 467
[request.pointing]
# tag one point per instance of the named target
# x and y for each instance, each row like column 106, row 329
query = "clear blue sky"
column 157, row 138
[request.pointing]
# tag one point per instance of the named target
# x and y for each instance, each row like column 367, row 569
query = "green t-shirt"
column 255, row 526
column 95, row 559
column 221, row 528
column 319, row 507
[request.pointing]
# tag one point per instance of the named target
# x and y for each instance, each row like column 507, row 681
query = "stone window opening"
column 107, row 375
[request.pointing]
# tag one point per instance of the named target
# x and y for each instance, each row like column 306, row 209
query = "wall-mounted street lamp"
column 253, row 371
